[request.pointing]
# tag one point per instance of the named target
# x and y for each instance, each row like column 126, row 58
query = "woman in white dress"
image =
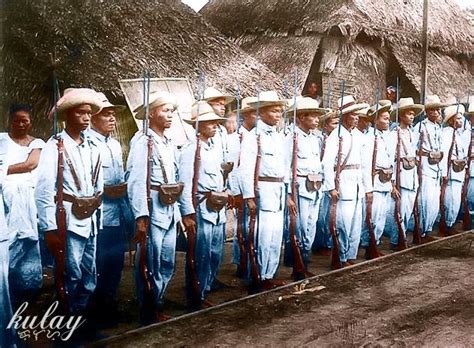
column 23, row 153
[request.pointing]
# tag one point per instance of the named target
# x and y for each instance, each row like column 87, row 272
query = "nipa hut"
column 366, row 43
column 95, row 43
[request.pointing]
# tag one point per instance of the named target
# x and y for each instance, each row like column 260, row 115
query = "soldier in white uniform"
column 351, row 190
column 468, row 139
column 82, row 191
column 269, row 204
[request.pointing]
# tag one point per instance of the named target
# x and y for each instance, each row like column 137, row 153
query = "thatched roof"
column 97, row 42
column 396, row 21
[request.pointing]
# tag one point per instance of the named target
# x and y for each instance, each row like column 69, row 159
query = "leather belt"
column 349, row 166
column 155, row 187
column 70, row 198
column 302, row 176
column 423, row 153
column 270, row 179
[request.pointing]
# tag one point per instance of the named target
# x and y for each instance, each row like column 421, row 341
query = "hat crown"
column 403, row 102
column 382, row 104
column 452, row 111
column 201, row 108
column 432, row 99
column 246, row 101
column 268, row 96
column 345, row 101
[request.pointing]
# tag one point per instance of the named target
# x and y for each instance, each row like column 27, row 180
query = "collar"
column 98, row 136
column 158, row 138
column 71, row 142
column 263, row 127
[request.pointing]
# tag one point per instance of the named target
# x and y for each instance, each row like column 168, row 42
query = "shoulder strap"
column 348, row 155
column 96, row 171
column 162, row 163
column 75, row 177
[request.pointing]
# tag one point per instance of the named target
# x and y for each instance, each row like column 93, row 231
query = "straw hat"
column 470, row 110
column 157, row 98
column 74, row 97
column 453, row 110
column 433, row 102
column 307, row 104
column 244, row 106
column 201, row 111
column 329, row 114
column 267, row 98
column 212, row 93
column 348, row 104
column 407, row 104
column 363, row 112
column 105, row 104
column 383, row 105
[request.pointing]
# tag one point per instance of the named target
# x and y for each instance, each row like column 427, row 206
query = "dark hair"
column 14, row 108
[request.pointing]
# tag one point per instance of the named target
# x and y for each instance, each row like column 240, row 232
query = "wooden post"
column 424, row 52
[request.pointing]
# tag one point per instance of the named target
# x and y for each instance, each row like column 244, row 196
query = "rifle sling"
column 95, row 172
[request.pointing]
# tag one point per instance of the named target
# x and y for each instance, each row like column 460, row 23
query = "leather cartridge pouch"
column 227, row 168
column 313, row 182
column 458, row 165
column 216, row 200
column 84, row 207
column 385, row 175
column 434, row 157
column 115, row 191
column 169, row 193
column 408, row 162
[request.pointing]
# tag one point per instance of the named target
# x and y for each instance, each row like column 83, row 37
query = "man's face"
column 382, row 122
column 104, row 122
column 407, row 117
column 271, row 114
column 313, row 89
column 308, row 120
column 218, row 105
column 231, row 124
column 350, row 120
column 391, row 95
column 21, row 123
column 208, row 129
column 363, row 123
column 331, row 124
column 456, row 121
column 79, row 117
column 433, row 114
column 161, row 117
column 250, row 118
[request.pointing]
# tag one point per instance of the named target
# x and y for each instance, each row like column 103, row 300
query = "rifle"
column 372, row 249
column 254, row 271
column 335, row 259
column 57, row 245
column 443, row 228
column 466, row 222
column 398, row 218
column 239, row 202
column 419, row 169
column 299, row 269
column 149, row 296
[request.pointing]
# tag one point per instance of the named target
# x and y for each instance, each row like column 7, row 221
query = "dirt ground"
column 422, row 297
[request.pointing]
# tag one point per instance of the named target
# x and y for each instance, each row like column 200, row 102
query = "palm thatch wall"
column 367, row 43
column 97, row 42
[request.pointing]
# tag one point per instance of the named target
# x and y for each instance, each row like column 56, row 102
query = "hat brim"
column 354, row 108
column 415, row 107
column 116, row 108
column 227, row 99
column 435, row 106
column 319, row 111
column 244, row 110
column 206, row 117
column 264, row 104
column 67, row 106
column 140, row 111
column 372, row 116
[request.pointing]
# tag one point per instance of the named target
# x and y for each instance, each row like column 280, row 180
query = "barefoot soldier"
column 153, row 192
column 202, row 204
column 453, row 166
column 405, row 180
column 348, row 197
column 111, row 239
column 268, row 181
column 430, row 165
column 378, row 173
column 72, row 158
column 307, row 160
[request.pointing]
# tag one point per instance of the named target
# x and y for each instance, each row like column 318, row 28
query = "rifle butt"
column 240, row 239
column 254, row 272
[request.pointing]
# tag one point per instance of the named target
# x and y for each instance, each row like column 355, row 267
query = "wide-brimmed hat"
column 212, row 93
column 267, row 98
column 307, row 104
column 451, row 111
column 74, row 97
column 202, row 111
column 434, row 102
column 106, row 104
column 363, row 112
column 157, row 98
column 407, row 104
column 375, row 110
column 348, row 104
column 330, row 113
column 244, row 105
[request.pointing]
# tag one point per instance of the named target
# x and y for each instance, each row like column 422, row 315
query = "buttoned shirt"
column 467, row 134
column 431, row 142
column 408, row 177
column 459, row 152
column 383, row 161
column 85, row 158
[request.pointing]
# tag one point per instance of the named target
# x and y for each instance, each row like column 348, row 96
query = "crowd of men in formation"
column 293, row 174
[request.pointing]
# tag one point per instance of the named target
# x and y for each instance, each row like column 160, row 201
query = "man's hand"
column 334, row 195
column 189, row 222
column 252, row 206
column 142, row 224
column 395, row 193
column 292, row 206
column 369, row 197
